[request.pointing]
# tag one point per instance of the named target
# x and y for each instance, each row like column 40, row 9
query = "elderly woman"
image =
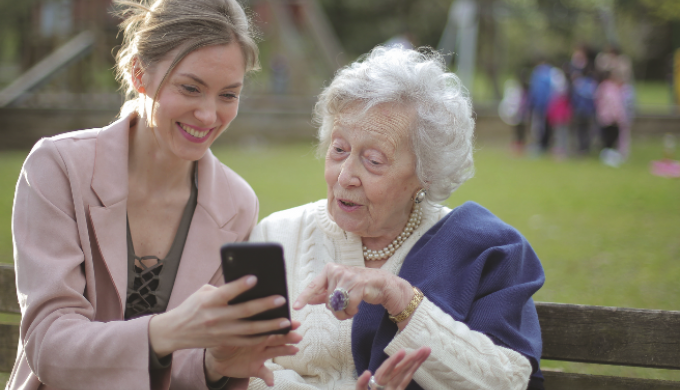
column 379, row 269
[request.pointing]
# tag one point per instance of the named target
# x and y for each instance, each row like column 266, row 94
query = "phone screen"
column 264, row 260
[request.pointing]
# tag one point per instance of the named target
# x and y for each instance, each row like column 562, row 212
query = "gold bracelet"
column 412, row 306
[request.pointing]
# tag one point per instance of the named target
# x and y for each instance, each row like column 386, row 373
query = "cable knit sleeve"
column 283, row 380
column 461, row 358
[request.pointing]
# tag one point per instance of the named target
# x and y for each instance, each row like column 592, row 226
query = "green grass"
column 653, row 96
column 10, row 165
column 605, row 236
column 283, row 176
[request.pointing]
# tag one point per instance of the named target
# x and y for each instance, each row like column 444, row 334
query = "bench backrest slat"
column 8, row 290
column 610, row 335
column 567, row 381
column 9, row 338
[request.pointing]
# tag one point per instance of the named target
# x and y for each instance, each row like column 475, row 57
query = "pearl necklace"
column 386, row 252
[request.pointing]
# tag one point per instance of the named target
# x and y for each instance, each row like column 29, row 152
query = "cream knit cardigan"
column 460, row 358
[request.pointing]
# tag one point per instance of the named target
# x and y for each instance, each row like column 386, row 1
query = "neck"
column 380, row 242
column 151, row 166
column 384, row 247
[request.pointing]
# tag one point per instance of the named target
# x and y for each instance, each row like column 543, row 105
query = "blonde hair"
column 150, row 32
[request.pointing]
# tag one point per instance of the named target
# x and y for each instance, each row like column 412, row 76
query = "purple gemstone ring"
column 339, row 299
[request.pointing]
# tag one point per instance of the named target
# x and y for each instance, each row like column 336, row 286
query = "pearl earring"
column 420, row 196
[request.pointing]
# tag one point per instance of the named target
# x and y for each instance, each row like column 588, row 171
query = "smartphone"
column 264, row 260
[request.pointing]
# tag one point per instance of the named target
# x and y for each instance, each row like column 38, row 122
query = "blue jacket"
column 476, row 268
column 540, row 88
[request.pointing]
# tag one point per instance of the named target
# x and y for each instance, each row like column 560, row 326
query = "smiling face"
column 198, row 100
column 370, row 172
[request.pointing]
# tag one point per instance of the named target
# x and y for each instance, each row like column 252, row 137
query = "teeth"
column 193, row 132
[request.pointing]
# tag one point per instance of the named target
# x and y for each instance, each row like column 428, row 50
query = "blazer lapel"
column 110, row 184
column 201, row 256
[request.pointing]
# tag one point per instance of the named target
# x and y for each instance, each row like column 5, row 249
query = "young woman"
column 117, row 230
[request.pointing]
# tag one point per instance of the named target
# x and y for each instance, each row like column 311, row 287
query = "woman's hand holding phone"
column 207, row 320
column 237, row 362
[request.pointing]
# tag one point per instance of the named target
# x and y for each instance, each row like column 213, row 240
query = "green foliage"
column 664, row 9
column 11, row 9
column 361, row 24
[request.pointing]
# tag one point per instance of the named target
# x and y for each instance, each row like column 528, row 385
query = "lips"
column 194, row 132
column 347, row 205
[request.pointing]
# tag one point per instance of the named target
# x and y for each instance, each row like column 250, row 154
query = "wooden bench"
column 576, row 333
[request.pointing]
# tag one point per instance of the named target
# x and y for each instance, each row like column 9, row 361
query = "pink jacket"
column 70, row 248
column 609, row 104
column 559, row 110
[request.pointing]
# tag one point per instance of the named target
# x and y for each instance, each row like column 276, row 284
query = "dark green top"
column 150, row 285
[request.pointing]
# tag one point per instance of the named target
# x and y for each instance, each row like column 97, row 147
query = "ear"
column 137, row 74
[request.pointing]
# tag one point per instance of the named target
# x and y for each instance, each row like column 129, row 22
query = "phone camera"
column 230, row 258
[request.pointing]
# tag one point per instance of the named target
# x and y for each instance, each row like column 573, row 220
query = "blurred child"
column 583, row 104
column 514, row 110
column 611, row 117
column 559, row 113
column 539, row 97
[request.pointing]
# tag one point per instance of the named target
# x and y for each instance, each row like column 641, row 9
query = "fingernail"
column 296, row 305
column 284, row 324
column 279, row 301
column 251, row 280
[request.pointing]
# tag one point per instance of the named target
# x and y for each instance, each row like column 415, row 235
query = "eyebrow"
column 203, row 83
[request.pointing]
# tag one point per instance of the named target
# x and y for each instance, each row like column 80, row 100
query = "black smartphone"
column 264, row 260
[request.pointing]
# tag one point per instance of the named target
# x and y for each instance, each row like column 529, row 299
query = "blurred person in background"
column 583, row 90
column 559, row 112
column 540, row 89
column 614, row 63
column 117, row 230
column 611, row 117
column 380, row 271
column 514, row 110
column 580, row 60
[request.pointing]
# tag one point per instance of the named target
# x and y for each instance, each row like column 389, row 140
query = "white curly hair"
column 443, row 131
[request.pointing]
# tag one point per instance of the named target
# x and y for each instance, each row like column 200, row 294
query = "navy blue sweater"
column 474, row 267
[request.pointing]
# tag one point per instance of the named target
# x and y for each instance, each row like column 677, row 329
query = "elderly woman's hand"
column 375, row 286
column 396, row 372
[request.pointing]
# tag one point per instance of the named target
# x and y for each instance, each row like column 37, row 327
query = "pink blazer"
column 70, row 248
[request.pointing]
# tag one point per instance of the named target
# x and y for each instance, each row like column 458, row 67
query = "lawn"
column 605, row 236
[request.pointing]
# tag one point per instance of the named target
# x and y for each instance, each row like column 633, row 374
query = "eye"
column 190, row 89
column 338, row 150
column 229, row 96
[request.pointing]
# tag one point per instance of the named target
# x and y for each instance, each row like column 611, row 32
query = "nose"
column 349, row 174
column 206, row 112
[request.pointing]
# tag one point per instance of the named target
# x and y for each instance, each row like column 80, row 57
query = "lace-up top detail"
column 150, row 279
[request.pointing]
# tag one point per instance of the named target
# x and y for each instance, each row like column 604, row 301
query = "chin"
column 345, row 222
column 190, row 154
